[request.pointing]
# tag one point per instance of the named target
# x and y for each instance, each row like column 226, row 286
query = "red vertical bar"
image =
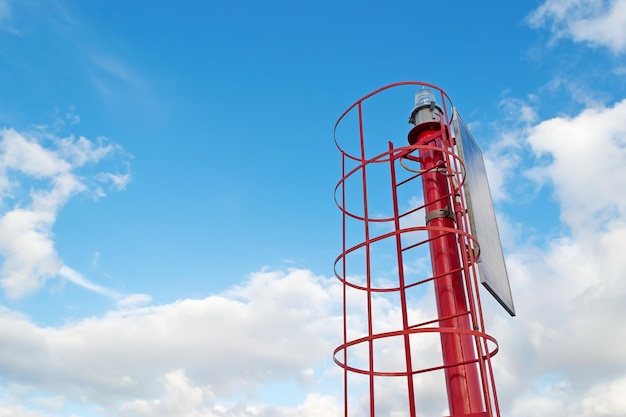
column 370, row 326
column 402, row 286
column 462, row 381
column 345, row 286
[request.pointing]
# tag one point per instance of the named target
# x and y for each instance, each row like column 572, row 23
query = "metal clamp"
column 439, row 213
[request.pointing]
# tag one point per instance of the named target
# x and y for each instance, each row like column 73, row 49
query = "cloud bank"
column 192, row 357
column 563, row 353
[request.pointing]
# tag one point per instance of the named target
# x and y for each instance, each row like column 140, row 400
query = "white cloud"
column 134, row 300
column 587, row 164
column 500, row 162
column 83, row 151
column 518, row 110
column 26, row 155
column 504, row 155
column 78, row 279
column 595, row 22
column 117, row 181
column 48, row 166
column 579, row 90
column 15, row 410
column 29, row 255
column 185, row 399
column 182, row 398
column 54, row 403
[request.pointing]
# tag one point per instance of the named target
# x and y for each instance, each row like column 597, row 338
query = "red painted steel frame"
column 466, row 348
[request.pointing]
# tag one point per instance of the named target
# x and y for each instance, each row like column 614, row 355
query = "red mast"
column 464, row 393
column 375, row 232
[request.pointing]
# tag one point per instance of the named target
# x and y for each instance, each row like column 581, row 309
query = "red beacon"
column 419, row 235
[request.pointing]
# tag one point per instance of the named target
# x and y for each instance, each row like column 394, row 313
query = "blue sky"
column 167, row 224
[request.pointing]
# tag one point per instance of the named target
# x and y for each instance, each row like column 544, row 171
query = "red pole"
column 462, row 381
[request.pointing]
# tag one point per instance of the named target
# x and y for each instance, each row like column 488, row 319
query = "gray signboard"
column 491, row 266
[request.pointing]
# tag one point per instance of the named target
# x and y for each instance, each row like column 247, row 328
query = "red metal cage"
column 413, row 342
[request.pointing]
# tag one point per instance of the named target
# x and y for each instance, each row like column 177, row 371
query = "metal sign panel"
column 491, row 266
